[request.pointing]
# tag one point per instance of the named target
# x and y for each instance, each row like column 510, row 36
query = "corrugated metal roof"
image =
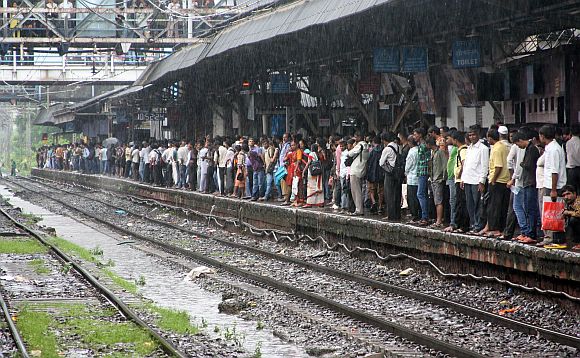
column 284, row 20
column 46, row 115
column 179, row 60
column 294, row 17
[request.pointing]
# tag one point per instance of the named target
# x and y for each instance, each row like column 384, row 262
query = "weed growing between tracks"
column 34, row 328
column 177, row 321
column 128, row 286
column 30, row 219
column 39, row 266
column 82, row 327
column 21, row 246
column 71, row 248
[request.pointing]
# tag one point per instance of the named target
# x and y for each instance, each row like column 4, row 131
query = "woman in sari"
column 290, row 163
column 314, row 187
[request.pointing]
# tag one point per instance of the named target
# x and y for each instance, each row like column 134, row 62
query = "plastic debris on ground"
column 198, row 272
column 406, row 272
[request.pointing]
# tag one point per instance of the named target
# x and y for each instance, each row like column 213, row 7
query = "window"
column 530, row 106
column 552, row 105
column 535, row 105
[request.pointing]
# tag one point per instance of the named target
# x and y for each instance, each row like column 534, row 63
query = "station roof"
column 301, row 34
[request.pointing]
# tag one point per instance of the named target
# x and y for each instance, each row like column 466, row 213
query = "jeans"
column 221, row 177
column 104, row 167
column 229, row 180
column 344, row 199
column 422, row 196
column 473, row 200
column 413, row 202
column 527, row 211
column 325, row 186
column 452, row 200
column 269, row 182
column 142, row 170
column 128, row 171
column 249, row 181
column 258, row 184
column 182, row 175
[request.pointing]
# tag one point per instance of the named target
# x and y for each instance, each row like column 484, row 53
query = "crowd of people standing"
column 491, row 183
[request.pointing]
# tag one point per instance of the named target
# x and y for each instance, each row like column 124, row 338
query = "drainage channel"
column 163, row 285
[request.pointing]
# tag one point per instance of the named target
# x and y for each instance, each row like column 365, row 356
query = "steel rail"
column 516, row 325
column 168, row 347
column 394, row 328
column 12, row 328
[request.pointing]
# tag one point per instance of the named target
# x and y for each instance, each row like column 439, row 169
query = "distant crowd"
column 491, row 183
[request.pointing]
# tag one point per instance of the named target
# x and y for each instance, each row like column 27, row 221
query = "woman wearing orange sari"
column 290, row 164
column 314, row 190
column 294, row 177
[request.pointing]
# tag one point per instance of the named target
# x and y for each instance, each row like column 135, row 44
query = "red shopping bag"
column 553, row 218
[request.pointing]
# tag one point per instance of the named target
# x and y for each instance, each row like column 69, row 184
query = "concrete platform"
column 454, row 253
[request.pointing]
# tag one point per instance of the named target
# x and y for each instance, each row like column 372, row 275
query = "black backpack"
column 397, row 171
column 374, row 172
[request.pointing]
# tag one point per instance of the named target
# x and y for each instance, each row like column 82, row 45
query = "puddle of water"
column 162, row 285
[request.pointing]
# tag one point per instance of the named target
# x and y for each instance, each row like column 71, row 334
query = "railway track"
column 104, row 295
column 344, row 307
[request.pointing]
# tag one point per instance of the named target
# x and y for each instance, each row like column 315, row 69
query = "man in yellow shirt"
column 499, row 193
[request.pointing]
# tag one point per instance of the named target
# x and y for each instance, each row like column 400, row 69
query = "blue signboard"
column 280, row 83
column 386, row 60
column 414, row 59
column 466, row 53
column 278, row 125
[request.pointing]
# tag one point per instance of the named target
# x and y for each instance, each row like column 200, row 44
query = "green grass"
column 121, row 282
column 34, row 328
column 21, row 246
column 31, row 218
column 89, row 256
column 89, row 326
column 39, row 266
column 177, row 321
column 111, row 334
column 71, row 248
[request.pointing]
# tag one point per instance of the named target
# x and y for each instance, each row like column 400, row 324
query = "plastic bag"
column 552, row 217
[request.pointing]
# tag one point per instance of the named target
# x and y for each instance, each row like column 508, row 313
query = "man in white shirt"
column 146, row 172
column 135, row 159
column 573, row 156
column 360, row 153
column 182, row 160
column 220, row 158
column 555, row 164
column 554, row 171
column 392, row 185
column 474, row 176
column 167, row 158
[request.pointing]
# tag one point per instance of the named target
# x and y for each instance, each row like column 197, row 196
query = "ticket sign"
column 386, row 59
column 466, row 53
column 414, row 59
